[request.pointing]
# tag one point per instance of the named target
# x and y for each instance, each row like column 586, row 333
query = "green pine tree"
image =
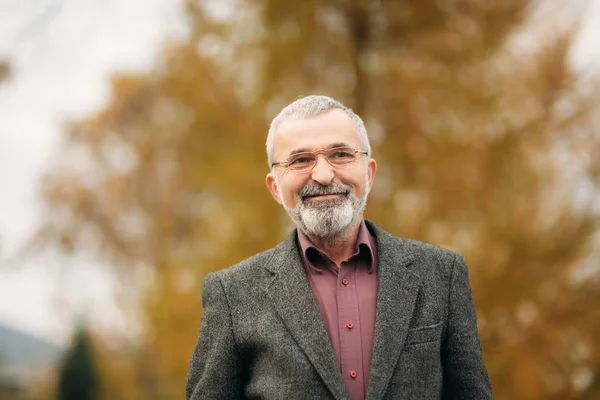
column 78, row 378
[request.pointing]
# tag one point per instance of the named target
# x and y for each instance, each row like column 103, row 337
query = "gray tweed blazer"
column 262, row 336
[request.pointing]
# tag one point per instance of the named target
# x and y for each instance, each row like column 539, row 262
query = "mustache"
column 316, row 189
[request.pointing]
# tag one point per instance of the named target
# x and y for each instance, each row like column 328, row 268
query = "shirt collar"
column 364, row 243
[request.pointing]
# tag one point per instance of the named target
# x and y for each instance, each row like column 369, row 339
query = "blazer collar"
column 397, row 290
column 292, row 297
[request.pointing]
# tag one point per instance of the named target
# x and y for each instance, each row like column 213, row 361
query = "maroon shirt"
column 347, row 298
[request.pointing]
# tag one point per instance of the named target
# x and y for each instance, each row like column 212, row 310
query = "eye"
column 339, row 154
column 301, row 160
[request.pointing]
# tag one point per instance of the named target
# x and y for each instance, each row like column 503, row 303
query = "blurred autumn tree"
column 484, row 137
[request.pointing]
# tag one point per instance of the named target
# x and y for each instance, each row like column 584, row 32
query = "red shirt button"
column 345, row 281
column 350, row 325
column 353, row 374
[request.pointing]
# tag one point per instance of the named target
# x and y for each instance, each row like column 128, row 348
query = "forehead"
column 317, row 132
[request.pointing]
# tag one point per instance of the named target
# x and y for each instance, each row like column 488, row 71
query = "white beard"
column 326, row 219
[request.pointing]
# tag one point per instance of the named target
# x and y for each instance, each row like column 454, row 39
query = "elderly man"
column 340, row 309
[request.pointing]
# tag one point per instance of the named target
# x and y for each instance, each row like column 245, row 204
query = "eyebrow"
column 331, row 146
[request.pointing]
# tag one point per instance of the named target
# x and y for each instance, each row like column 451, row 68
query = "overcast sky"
column 63, row 52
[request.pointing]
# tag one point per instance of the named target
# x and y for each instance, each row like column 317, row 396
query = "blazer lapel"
column 396, row 297
column 292, row 297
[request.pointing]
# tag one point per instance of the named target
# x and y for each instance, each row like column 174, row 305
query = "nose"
column 322, row 172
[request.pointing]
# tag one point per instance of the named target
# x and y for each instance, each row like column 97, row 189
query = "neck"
column 338, row 248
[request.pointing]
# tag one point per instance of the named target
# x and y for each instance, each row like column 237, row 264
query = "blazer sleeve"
column 465, row 374
column 216, row 366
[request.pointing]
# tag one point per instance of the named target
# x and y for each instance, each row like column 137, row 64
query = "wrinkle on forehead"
column 323, row 131
column 331, row 146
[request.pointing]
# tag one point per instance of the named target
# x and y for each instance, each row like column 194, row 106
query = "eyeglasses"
column 305, row 161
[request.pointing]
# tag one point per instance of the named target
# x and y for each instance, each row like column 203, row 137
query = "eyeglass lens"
column 335, row 156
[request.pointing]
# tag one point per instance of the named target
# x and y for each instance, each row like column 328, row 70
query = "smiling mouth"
column 325, row 196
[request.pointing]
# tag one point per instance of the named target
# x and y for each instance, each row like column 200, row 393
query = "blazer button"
column 352, row 374
column 345, row 281
column 350, row 325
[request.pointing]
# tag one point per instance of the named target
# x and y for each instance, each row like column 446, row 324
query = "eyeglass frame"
column 316, row 154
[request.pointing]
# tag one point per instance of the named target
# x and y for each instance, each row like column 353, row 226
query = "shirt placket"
column 349, row 329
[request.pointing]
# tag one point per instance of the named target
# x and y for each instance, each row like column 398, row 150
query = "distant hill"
column 22, row 349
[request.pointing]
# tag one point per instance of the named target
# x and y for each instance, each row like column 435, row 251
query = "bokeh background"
column 132, row 163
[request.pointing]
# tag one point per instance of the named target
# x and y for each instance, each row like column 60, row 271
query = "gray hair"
column 312, row 106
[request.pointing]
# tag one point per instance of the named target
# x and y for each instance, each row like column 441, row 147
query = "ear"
column 272, row 186
column 371, row 170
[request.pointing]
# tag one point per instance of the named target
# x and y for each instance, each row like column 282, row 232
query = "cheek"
column 289, row 190
column 358, row 179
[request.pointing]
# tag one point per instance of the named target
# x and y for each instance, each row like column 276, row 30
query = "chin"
column 324, row 222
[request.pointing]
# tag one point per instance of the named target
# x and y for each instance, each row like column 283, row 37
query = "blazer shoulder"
column 246, row 269
column 432, row 263
column 415, row 248
column 428, row 259
column 428, row 250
